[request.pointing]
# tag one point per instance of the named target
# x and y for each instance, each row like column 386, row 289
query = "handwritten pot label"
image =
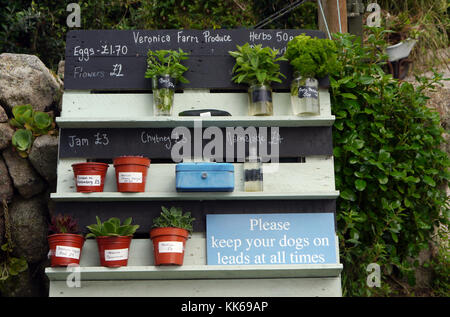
column 308, row 92
column 261, row 95
column 166, row 82
column 67, row 252
column 116, row 255
column 170, row 247
column 89, row 180
column 130, row 177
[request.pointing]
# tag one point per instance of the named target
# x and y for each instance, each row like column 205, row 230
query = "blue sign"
column 252, row 239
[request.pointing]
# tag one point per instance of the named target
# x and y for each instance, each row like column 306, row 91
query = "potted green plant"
column 169, row 233
column 113, row 240
column 257, row 67
column 401, row 35
column 65, row 241
column 310, row 58
column 165, row 69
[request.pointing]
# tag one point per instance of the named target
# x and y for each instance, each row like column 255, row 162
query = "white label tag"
column 89, row 180
column 115, row 255
column 170, row 247
column 130, row 177
column 205, row 114
column 67, row 252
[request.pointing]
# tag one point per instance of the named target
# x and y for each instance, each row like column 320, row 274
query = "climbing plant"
column 389, row 167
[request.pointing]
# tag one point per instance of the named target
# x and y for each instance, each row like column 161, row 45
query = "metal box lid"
column 204, row 166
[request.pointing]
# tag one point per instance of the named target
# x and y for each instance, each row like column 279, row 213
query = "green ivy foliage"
column 389, row 168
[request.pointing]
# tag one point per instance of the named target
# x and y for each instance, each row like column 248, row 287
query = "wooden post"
column 330, row 9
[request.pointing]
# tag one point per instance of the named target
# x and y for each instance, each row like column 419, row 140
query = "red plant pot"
column 168, row 245
column 90, row 176
column 113, row 250
column 131, row 173
column 65, row 248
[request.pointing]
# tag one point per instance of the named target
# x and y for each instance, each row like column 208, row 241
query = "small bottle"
column 253, row 173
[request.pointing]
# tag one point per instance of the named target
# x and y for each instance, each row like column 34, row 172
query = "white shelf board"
column 170, row 122
column 117, row 196
column 196, row 272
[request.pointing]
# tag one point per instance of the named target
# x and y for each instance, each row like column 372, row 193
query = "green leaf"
column 429, row 181
column 360, row 184
column 348, row 195
column 349, row 95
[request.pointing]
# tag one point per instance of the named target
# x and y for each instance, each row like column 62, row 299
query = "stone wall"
column 25, row 183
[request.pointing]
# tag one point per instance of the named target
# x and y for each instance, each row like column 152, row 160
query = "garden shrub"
column 389, row 168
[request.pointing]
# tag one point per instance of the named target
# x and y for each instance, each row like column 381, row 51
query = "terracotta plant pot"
column 168, row 245
column 65, row 248
column 90, row 176
column 131, row 173
column 114, row 250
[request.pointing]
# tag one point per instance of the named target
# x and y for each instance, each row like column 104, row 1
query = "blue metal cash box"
column 204, row 176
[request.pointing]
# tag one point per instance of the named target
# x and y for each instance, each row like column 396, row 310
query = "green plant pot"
column 305, row 96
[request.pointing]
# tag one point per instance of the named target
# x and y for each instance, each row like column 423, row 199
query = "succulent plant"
column 29, row 124
column 111, row 227
column 174, row 217
column 22, row 140
column 63, row 224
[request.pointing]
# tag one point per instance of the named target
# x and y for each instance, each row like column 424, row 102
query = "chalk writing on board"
column 98, row 139
column 148, row 138
column 117, row 70
column 101, row 139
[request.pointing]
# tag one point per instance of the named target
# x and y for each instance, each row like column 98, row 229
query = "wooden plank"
column 198, row 272
column 86, row 105
column 143, row 212
column 227, row 288
column 116, row 59
column 314, row 176
column 157, row 143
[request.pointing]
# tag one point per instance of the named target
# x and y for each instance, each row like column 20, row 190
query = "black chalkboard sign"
column 157, row 143
column 117, row 59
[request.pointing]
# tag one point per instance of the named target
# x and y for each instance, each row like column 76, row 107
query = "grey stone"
column 44, row 156
column 24, row 177
column 3, row 115
column 29, row 228
column 61, row 65
column 25, row 284
column 6, row 187
column 6, row 133
column 24, row 79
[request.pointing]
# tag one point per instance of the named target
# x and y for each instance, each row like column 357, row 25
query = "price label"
column 67, row 252
column 130, row 177
column 170, row 247
column 89, row 180
column 115, row 255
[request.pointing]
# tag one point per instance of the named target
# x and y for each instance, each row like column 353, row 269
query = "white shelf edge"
column 147, row 122
column 196, row 272
column 117, row 196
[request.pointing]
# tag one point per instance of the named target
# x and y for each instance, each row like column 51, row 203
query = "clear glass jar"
column 305, row 96
column 163, row 94
column 253, row 173
column 260, row 100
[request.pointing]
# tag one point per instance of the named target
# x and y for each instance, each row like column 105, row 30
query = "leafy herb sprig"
column 256, row 65
column 312, row 57
column 166, row 62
